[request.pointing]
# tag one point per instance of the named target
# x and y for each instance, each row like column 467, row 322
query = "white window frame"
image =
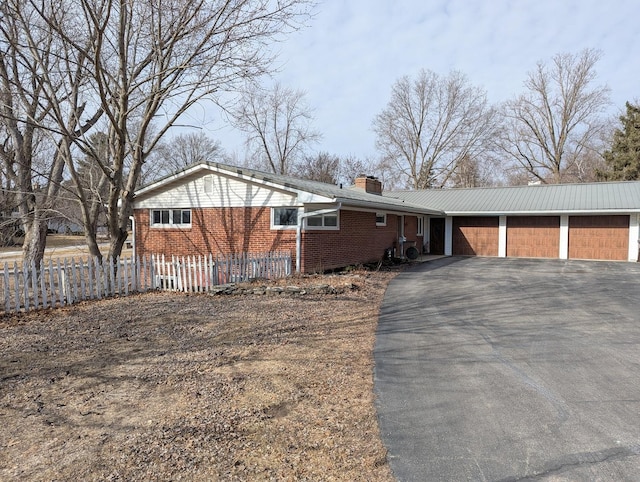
column 283, row 226
column 324, row 227
column 381, row 215
column 171, row 223
column 420, row 227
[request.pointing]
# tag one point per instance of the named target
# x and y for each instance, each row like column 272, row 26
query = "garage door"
column 475, row 236
column 533, row 236
column 599, row 237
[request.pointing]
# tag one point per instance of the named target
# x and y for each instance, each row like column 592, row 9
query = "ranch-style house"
column 213, row 208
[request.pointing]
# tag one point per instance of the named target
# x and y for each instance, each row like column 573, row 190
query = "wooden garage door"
column 475, row 236
column 599, row 237
column 533, row 236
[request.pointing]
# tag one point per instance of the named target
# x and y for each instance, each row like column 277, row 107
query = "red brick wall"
column 369, row 184
column 411, row 233
column 216, row 231
column 359, row 240
column 237, row 230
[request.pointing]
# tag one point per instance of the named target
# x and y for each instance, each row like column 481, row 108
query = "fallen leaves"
column 172, row 386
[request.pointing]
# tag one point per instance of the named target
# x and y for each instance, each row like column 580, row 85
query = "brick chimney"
column 369, row 184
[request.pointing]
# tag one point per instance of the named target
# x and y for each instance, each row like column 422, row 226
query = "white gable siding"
column 213, row 190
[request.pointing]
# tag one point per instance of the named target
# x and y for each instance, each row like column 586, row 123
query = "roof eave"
column 549, row 212
column 388, row 207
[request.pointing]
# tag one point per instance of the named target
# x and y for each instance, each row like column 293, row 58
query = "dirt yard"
column 167, row 386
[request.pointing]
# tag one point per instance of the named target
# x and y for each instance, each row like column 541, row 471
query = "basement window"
column 171, row 218
column 283, row 218
column 381, row 219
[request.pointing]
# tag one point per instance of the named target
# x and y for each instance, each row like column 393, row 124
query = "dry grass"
column 171, row 386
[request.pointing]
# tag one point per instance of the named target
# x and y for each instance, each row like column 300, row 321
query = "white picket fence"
column 68, row 281
column 199, row 273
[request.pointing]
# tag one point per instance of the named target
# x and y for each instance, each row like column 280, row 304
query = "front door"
column 436, row 236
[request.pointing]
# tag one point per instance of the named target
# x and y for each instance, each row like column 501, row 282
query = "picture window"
column 284, row 217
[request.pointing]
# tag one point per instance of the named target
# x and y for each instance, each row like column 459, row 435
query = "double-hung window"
column 171, row 218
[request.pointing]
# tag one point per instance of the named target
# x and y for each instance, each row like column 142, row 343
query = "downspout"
column 401, row 238
column 133, row 235
column 299, row 229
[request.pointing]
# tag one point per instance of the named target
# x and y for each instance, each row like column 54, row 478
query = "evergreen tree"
column 623, row 160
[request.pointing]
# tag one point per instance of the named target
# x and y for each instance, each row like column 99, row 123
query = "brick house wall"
column 411, row 233
column 359, row 240
column 237, row 230
column 215, row 231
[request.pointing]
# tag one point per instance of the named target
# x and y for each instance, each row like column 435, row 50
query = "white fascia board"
column 542, row 213
column 305, row 197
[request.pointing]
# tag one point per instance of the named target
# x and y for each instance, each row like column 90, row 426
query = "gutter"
column 391, row 207
column 590, row 212
column 301, row 217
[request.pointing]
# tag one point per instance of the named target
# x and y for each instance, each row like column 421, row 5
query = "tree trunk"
column 37, row 219
column 35, row 240
column 118, row 220
column 90, row 236
column 90, row 211
column 117, row 243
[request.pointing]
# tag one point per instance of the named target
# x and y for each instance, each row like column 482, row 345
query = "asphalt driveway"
column 511, row 369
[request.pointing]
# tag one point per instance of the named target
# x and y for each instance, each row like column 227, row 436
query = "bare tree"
column 323, row 167
column 332, row 169
column 186, row 51
column 137, row 67
column 467, row 173
column 391, row 177
column 277, row 125
column 9, row 225
column 92, row 187
column 352, row 167
column 430, row 124
column 180, row 151
column 551, row 131
column 33, row 155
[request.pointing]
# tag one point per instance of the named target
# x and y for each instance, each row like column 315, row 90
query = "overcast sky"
column 353, row 51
